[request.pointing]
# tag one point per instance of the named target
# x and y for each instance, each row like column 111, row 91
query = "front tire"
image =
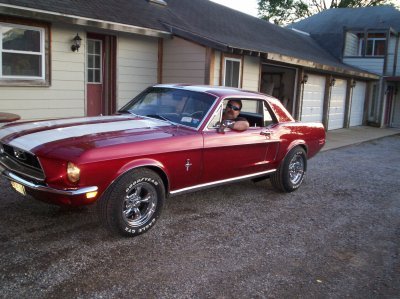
column 291, row 172
column 132, row 205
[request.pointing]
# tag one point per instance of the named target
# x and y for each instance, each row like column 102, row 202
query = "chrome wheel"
column 140, row 204
column 296, row 168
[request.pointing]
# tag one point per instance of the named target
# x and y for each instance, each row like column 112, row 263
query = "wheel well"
column 162, row 175
column 304, row 147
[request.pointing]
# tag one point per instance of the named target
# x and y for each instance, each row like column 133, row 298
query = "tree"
column 283, row 12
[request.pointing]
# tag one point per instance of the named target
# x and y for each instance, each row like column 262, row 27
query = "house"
column 76, row 58
column 367, row 38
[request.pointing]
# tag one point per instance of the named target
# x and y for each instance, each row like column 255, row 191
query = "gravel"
column 337, row 236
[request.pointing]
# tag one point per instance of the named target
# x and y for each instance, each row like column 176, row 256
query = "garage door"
column 313, row 99
column 337, row 105
column 357, row 104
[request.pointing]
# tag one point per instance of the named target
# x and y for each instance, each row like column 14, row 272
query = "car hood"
column 83, row 133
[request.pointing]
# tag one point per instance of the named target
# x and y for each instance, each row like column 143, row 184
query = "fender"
column 146, row 162
column 295, row 143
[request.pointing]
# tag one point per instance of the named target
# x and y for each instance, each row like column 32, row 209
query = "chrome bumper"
column 13, row 177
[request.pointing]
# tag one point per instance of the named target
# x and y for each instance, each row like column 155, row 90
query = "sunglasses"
column 233, row 107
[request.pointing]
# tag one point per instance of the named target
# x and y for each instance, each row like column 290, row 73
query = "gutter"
column 320, row 66
column 51, row 16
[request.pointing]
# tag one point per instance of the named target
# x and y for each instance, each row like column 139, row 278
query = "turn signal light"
column 91, row 194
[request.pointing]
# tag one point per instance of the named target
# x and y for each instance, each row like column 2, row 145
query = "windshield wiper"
column 159, row 116
column 127, row 112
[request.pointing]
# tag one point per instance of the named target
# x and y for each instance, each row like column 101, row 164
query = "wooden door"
column 100, row 75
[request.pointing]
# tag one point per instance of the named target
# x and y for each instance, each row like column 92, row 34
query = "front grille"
column 22, row 162
column 22, row 157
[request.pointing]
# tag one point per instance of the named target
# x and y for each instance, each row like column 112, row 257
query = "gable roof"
column 119, row 15
column 327, row 27
column 333, row 20
column 203, row 21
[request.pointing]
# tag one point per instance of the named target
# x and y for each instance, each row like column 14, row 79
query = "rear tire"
column 132, row 205
column 291, row 172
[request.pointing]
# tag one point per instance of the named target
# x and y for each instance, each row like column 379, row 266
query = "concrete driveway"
column 337, row 236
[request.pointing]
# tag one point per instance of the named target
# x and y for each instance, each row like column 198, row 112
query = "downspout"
column 383, row 84
column 299, row 95
column 382, row 106
column 396, row 55
column 327, row 101
column 349, row 99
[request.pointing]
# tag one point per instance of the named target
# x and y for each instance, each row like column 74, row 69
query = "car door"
column 236, row 154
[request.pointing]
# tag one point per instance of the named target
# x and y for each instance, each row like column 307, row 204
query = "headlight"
column 73, row 172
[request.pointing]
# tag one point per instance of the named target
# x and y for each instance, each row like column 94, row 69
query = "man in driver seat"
column 231, row 119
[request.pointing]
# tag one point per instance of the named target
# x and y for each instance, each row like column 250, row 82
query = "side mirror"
column 225, row 124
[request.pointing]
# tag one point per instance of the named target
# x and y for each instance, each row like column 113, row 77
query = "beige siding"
column 183, row 62
column 137, row 62
column 217, row 68
column 373, row 65
column 66, row 95
column 251, row 73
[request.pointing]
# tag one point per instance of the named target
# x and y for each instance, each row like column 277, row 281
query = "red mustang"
column 169, row 140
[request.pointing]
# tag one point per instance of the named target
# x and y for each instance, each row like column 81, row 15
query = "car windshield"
column 179, row 106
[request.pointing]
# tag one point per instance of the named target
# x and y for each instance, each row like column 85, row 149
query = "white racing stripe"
column 50, row 123
column 30, row 141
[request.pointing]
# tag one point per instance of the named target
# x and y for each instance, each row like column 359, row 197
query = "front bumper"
column 74, row 197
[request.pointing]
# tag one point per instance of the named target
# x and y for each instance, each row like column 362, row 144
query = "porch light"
column 353, row 83
column 76, row 43
column 305, row 79
column 333, row 81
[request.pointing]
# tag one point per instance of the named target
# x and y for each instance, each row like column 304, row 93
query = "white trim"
column 220, row 182
column 240, row 68
column 374, row 39
column 41, row 52
column 94, row 55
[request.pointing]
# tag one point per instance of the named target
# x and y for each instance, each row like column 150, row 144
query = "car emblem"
column 20, row 155
column 188, row 164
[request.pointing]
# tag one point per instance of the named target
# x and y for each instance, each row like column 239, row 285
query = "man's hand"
column 225, row 124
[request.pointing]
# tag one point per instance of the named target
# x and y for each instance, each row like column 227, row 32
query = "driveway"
column 337, row 236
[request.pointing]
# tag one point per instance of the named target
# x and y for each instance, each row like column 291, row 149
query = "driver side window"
column 255, row 111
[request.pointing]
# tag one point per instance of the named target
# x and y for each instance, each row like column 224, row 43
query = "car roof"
column 219, row 91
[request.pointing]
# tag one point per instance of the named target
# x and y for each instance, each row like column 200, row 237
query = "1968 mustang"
column 168, row 140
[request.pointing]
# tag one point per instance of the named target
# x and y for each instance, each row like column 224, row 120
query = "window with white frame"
column 94, row 66
column 359, row 44
column 376, row 43
column 232, row 72
column 22, row 52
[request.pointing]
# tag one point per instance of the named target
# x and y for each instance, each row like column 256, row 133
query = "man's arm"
column 240, row 125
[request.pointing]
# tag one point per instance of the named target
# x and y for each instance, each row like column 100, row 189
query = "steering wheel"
column 197, row 114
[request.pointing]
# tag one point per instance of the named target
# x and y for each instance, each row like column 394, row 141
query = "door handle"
column 266, row 133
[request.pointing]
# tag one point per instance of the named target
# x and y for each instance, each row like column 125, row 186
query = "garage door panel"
column 357, row 104
column 337, row 105
column 313, row 99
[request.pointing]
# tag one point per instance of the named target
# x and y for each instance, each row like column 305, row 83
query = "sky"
column 246, row 6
